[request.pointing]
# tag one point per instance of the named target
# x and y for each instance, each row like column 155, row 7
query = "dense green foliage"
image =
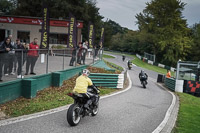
column 195, row 51
column 162, row 21
column 84, row 10
column 162, row 29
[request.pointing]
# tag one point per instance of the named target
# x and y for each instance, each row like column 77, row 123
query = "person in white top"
column 85, row 49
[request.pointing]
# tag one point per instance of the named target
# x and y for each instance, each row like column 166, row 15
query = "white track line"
column 167, row 115
column 44, row 113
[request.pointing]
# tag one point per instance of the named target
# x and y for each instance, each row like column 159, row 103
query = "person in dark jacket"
column 1, row 61
column 20, row 52
column 80, row 50
column 8, row 52
column 73, row 57
column 143, row 76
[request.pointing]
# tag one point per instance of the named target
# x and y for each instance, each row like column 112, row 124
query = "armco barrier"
column 170, row 83
column 150, row 62
column 108, row 80
column 28, row 87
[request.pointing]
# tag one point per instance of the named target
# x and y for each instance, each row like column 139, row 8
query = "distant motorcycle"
column 130, row 66
column 77, row 111
column 123, row 57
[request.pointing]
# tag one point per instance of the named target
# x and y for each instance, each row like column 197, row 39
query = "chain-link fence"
column 150, row 56
column 188, row 71
column 18, row 64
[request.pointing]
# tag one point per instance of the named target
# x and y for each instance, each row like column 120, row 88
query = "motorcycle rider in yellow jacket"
column 82, row 84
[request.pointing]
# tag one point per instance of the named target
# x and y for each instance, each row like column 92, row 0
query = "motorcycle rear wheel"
column 143, row 83
column 73, row 115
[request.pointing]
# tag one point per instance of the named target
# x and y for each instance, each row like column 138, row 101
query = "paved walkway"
column 102, row 64
column 56, row 63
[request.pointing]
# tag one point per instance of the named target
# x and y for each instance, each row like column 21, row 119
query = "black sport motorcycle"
column 123, row 57
column 143, row 81
column 77, row 110
column 129, row 66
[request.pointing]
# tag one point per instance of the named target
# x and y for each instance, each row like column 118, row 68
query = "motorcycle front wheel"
column 95, row 110
column 73, row 115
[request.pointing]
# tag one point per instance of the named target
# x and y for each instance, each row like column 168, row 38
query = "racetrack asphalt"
column 137, row 110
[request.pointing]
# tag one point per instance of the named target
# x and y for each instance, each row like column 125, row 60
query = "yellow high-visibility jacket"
column 82, row 83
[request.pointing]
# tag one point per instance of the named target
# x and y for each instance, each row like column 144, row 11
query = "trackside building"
column 28, row 28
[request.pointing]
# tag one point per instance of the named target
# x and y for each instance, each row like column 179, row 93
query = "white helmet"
column 86, row 72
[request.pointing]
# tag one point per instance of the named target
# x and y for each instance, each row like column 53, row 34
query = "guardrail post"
column 29, row 88
column 47, row 66
column 57, row 79
column 63, row 59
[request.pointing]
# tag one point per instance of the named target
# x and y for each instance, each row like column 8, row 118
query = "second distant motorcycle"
column 129, row 64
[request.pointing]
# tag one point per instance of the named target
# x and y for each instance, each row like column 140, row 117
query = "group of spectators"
column 81, row 52
column 13, row 55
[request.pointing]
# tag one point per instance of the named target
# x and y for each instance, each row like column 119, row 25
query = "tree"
column 6, row 6
column 84, row 10
column 166, row 31
column 195, row 34
column 111, row 28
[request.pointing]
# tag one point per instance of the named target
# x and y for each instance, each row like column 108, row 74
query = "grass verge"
column 48, row 98
column 189, row 114
column 145, row 65
column 114, row 66
column 107, row 56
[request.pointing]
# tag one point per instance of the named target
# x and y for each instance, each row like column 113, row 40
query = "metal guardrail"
column 22, row 63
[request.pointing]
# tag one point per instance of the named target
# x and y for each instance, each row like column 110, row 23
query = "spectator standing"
column 9, row 52
column 168, row 75
column 52, row 53
column 1, row 61
column 80, row 50
column 85, row 49
column 32, row 56
column 20, row 51
column 73, row 57
column 26, row 46
column 11, row 42
column 13, row 57
column 96, row 49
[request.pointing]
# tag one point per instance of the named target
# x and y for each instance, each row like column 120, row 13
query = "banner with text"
column 45, row 28
column 91, row 35
column 72, row 31
column 101, row 37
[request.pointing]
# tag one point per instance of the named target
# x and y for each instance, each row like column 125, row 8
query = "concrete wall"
column 28, row 87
